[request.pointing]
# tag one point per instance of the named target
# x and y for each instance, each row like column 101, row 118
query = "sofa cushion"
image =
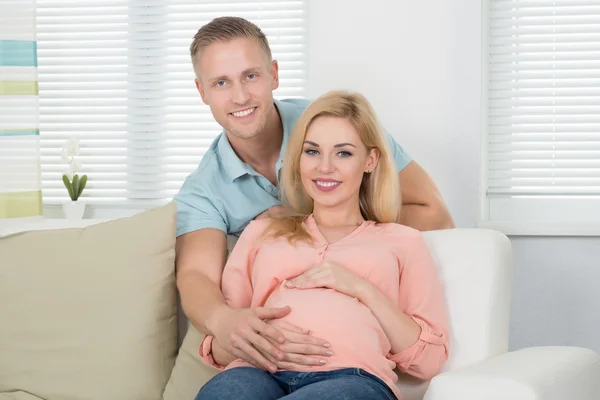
column 89, row 313
column 190, row 372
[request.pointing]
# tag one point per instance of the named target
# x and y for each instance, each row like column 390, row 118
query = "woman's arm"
column 401, row 330
column 417, row 326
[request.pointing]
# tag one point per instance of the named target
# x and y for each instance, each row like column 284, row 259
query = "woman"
column 349, row 273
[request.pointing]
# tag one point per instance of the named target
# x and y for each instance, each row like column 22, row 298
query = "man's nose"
column 240, row 94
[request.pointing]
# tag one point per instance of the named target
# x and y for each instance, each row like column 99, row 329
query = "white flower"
column 71, row 147
column 65, row 156
column 75, row 165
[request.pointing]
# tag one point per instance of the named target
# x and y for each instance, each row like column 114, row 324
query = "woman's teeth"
column 327, row 184
column 244, row 113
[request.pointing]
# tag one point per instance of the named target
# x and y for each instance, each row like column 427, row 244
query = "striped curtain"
column 20, row 181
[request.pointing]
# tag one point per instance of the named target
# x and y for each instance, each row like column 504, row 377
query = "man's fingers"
column 242, row 355
column 268, row 331
column 302, row 338
column 260, row 341
column 255, row 357
column 272, row 313
column 292, row 327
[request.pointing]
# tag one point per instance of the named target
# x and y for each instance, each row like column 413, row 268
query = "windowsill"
column 94, row 211
column 539, row 228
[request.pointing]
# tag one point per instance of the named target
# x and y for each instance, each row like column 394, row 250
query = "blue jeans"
column 247, row 383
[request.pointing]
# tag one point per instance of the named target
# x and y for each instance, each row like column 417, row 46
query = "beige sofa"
column 89, row 310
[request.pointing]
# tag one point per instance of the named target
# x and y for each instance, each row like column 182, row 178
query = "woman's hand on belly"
column 327, row 274
column 299, row 348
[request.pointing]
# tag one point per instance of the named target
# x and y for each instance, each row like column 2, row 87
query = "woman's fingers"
column 305, row 349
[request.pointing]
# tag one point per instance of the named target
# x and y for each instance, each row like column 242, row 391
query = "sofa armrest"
column 537, row 373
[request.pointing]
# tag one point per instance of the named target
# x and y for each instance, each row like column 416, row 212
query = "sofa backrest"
column 476, row 268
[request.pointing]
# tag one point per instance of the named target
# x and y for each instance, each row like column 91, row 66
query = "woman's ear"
column 372, row 160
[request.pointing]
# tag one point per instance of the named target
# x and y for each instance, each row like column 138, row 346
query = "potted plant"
column 74, row 183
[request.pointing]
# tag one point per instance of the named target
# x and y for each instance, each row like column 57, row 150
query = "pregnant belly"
column 347, row 324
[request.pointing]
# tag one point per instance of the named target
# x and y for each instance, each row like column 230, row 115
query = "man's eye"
column 251, row 76
column 220, row 83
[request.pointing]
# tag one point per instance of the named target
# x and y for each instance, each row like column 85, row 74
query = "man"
column 236, row 182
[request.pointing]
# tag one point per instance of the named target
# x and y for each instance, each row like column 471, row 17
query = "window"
column 543, row 115
column 117, row 75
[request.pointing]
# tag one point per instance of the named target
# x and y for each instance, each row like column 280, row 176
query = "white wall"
column 419, row 63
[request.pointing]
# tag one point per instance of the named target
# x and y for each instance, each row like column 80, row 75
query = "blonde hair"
column 379, row 196
column 223, row 29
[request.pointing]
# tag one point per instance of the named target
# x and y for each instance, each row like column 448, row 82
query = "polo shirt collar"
column 232, row 165
column 285, row 110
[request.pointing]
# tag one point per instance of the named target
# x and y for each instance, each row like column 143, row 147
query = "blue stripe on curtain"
column 18, row 53
column 24, row 132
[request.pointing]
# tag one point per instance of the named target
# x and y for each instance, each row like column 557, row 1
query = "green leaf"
column 82, row 183
column 76, row 186
column 68, row 186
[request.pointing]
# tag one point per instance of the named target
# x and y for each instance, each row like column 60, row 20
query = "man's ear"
column 200, row 90
column 275, row 74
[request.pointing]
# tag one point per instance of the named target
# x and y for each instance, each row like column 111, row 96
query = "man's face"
column 236, row 80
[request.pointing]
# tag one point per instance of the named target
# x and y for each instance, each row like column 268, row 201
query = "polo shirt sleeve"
column 401, row 157
column 196, row 209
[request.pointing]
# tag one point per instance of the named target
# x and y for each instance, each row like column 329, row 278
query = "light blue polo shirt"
column 225, row 193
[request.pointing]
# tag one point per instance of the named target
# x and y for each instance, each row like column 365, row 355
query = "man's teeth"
column 244, row 113
column 327, row 184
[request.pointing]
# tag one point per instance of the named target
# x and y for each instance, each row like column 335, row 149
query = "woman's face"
column 333, row 162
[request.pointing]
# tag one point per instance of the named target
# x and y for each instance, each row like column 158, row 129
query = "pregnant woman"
column 338, row 259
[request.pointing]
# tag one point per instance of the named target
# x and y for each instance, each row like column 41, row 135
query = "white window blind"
column 543, row 111
column 117, row 75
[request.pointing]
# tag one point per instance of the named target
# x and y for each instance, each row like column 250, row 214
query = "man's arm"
column 422, row 205
column 200, row 258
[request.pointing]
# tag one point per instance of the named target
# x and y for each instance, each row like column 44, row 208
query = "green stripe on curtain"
column 18, row 88
column 21, row 204
column 20, row 132
column 18, row 53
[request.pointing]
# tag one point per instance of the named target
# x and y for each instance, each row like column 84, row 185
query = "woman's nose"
column 326, row 165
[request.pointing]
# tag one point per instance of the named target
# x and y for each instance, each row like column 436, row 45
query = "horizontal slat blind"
column 117, row 75
column 543, row 98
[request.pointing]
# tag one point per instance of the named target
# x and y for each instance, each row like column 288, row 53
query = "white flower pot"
column 73, row 210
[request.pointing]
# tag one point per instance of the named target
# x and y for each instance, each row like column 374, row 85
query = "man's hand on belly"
column 299, row 347
column 243, row 333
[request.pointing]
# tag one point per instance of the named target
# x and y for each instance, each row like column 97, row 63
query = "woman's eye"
column 345, row 153
column 311, row 152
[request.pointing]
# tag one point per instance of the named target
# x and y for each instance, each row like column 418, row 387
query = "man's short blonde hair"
column 223, row 29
